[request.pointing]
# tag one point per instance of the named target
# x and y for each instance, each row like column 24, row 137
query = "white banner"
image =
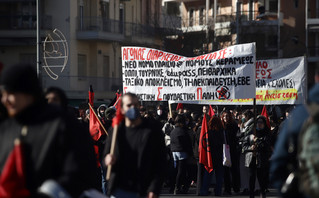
column 155, row 75
column 278, row 81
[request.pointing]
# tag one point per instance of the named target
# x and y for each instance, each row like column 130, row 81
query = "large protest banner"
column 156, row 75
column 278, row 81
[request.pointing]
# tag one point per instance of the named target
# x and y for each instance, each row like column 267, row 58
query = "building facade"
column 94, row 31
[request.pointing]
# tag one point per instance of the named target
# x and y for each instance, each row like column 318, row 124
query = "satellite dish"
column 55, row 53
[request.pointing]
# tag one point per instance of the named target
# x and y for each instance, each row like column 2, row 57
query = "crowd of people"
column 155, row 147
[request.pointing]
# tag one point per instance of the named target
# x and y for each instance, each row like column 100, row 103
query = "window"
column 120, row 68
column 106, row 66
column 202, row 15
column 82, row 66
column 273, row 5
column 191, row 17
column 172, row 8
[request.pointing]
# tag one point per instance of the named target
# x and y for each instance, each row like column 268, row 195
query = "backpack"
column 308, row 153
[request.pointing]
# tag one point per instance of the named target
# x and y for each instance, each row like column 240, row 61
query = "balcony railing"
column 116, row 27
column 24, row 22
column 100, row 24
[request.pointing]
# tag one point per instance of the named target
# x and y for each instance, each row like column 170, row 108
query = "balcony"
column 22, row 26
column 97, row 28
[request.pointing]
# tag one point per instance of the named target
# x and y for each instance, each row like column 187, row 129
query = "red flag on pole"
column 211, row 112
column 179, row 106
column 205, row 156
column 95, row 127
column 12, row 179
column 264, row 113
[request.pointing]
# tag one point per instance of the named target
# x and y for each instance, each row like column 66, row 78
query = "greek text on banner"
column 156, row 75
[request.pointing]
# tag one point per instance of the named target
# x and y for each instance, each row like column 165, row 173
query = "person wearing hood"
column 101, row 113
column 258, row 151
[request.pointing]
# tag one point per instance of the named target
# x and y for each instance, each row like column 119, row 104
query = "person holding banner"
column 139, row 159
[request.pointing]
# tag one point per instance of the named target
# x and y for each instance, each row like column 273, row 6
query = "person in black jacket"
column 216, row 140
column 181, row 148
column 259, row 147
column 139, row 160
column 55, row 147
column 232, row 174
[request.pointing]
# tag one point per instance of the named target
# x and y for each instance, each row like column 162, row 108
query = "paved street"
column 192, row 193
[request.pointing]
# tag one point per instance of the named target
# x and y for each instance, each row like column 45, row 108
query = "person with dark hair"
column 55, row 95
column 232, row 174
column 246, row 128
column 216, row 140
column 181, row 148
column 258, row 151
column 56, row 149
column 139, row 160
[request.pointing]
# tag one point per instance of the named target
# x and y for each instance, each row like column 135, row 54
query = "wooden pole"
column 98, row 119
column 114, row 136
column 255, row 116
column 170, row 109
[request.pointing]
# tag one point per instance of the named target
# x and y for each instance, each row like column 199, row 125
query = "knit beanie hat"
column 20, row 78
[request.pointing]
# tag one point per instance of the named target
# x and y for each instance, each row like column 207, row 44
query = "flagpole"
column 170, row 109
column 98, row 119
column 255, row 116
column 114, row 136
column 116, row 102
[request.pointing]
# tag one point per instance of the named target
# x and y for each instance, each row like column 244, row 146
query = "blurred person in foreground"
column 56, row 150
column 139, row 160
column 284, row 159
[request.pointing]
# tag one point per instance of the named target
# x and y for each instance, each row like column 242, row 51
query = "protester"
column 258, row 150
column 167, row 129
column 246, row 130
column 101, row 113
column 216, row 140
column 232, row 174
column 55, row 95
column 181, row 148
column 139, row 160
column 284, row 159
column 55, row 147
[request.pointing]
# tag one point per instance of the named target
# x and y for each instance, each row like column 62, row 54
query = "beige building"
column 281, row 29
column 95, row 31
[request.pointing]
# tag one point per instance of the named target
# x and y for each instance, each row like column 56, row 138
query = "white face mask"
column 159, row 112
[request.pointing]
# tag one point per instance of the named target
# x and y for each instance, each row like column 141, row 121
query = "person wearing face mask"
column 258, row 146
column 161, row 115
column 139, row 159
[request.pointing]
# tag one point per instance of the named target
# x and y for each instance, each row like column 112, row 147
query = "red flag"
column 95, row 127
column 264, row 113
column 211, row 112
column 91, row 96
column 179, row 106
column 12, row 179
column 117, row 103
column 205, row 156
column 118, row 115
